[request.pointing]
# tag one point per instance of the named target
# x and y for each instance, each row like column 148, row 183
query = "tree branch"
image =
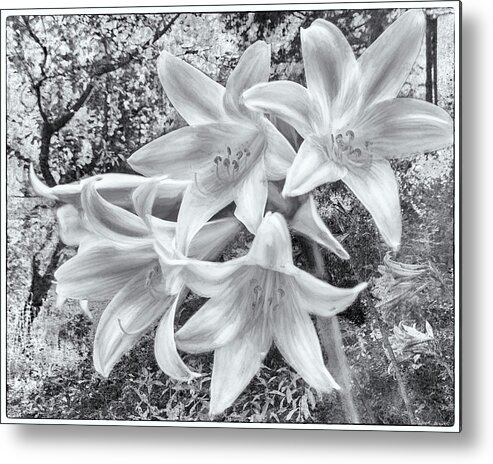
column 103, row 68
column 27, row 24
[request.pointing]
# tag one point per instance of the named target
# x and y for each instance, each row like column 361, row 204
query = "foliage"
column 52, row 61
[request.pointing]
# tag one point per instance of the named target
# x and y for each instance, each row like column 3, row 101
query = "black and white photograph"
column 232, row 216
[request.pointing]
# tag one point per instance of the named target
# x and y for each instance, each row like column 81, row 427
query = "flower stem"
column 331, row 338
column 398, row 375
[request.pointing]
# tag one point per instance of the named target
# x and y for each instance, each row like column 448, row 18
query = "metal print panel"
column 232, row 216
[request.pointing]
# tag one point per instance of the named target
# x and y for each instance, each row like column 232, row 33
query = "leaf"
column 290, row 415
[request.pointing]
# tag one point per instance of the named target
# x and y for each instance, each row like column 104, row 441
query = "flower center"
column 228, row 166
column 266, row 299
column 225, row 169
column 348, row 151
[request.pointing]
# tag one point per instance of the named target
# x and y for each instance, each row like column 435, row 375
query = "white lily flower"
column 228, row 151
column 255, row 300
column 407, row 340
column 115, row 188
column 117, row 261
column 349, row 117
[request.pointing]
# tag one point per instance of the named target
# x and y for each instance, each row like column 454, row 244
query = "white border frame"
column 456, row 5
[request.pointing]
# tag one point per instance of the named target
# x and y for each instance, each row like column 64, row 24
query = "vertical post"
column 431, row 59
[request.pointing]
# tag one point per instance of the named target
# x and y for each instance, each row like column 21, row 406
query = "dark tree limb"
column 40, row 284
column 50, row 126
column 44, row 154
column 33, row 35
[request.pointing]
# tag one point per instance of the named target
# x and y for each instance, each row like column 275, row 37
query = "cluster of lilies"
column 144, row 241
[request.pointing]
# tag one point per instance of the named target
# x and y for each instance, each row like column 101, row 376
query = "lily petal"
column 129, row 315
column 115, row 188
column 39, row 187
column 235, row 365
column 197, row 98
column 186, row 151
column 165, row 351
column 288, row 131
column 204, row 278
column 216, row 323
column 163, row 231
column 311, row 168
column 271, row 247
column 111, row 221
column 101, row 271
column 279, row 154
column 297, row 340
column 71, row 229
column 168, row 198
column 276, row 203
column 143, row 199
column 213, row 238
column 196, row 209
column 377, row 189
column 399, row 127
column 322, row 299
column 387, row 62
column 84, row 306
column 307, row 222
column 331, row 70
column 252, row 68
column 251, row 197
column 288, row 101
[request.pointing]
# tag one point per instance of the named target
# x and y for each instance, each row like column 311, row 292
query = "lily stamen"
column 343, row 148
column 226, row 163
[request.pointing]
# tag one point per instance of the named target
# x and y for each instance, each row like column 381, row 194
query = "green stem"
column 331, row 338
column 398, row 375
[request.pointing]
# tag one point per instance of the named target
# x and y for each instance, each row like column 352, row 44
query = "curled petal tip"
column 362, row 286
column 102, row 373
column 287, row 191
column 194, row 375
column 215, row 411
column 343, row 254
column 38, row 186
column 102, row 370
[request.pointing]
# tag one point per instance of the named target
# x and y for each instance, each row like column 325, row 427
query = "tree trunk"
column 40, row 284
column 44, row 155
